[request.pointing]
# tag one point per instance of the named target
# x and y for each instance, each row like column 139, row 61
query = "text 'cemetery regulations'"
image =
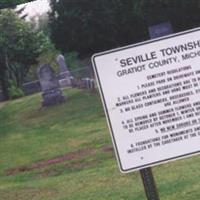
column 151, row 95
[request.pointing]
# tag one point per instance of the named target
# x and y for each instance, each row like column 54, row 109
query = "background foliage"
column 20, row 46
column 90, row 26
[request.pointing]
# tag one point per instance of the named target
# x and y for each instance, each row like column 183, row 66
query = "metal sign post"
column 147, row 174
column 149, row 184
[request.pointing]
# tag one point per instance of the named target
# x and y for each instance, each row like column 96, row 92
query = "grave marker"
column 51, row 91
column 160, row 30
column 64, row 76
column 62, row 64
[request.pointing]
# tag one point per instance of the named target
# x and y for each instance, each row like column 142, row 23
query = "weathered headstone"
column 73, row 82
column 160, row 30
column 62, row 64
column 50, row 87
column 64, row 76
column 89, row 84
column 92, row 84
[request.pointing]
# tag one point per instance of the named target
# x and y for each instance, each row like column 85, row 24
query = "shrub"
column 14, row 91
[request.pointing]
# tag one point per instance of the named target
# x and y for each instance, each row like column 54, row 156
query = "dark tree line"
column 89, row 26
column 183, row 14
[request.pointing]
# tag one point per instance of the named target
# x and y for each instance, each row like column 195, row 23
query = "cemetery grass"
column 65, row 153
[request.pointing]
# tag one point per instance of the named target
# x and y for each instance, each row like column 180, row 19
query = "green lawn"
column 64, row 153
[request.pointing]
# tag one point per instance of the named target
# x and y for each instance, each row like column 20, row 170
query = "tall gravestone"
column 64, row 75
column 51, row 92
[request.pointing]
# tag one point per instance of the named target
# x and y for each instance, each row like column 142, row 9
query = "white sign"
column 151, row 96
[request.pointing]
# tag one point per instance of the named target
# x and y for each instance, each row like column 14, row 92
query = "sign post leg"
column 149, row 184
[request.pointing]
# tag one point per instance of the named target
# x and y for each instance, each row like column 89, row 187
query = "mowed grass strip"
column 65, row 153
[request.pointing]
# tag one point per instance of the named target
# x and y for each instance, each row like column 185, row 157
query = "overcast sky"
column 34, row 8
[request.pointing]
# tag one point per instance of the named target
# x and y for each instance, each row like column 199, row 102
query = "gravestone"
column 62, row 64
column 89, row 84
column 50, row 87
column 64, row 75
column 160, row 30
column 31, row 87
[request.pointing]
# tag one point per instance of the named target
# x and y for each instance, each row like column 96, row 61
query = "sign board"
column 151, row 97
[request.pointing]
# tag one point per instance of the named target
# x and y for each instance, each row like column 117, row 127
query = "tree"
column 94, row 25
column 88, row 26
column 20, row 47
column 183, row 14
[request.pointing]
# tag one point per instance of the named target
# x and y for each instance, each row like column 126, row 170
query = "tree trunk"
column 4, row 84
column 4, row 75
